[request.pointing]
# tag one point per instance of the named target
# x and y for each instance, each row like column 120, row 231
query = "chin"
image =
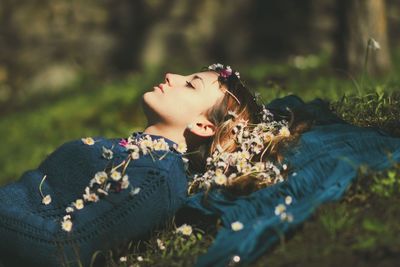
column 149, row 111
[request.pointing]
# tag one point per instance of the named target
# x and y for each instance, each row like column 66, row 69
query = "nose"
column 174, row 79
column 168, row 78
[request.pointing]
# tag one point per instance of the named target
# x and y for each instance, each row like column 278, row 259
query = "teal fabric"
column 30, row 232
column 323, row 163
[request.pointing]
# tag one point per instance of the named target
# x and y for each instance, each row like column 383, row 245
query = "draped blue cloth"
column 323, row 164
column 30, row 232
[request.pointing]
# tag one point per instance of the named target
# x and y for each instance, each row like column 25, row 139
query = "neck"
column 166, row 131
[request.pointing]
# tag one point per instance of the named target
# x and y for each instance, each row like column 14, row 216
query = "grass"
column 359, row 230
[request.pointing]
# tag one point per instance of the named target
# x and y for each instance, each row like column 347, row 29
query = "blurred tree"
column 360, row 20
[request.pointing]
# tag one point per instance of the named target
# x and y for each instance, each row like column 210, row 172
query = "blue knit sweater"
column 31, row 233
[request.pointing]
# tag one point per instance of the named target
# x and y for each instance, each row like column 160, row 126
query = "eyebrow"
column 198, row 77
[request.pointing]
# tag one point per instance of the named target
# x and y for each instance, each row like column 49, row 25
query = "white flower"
column 90, row 197
column 107, row 153
column 284, row 131
column 88, row 141
column 373, row 44
column 232, row 113
column 125, row 182
column 100, row 177
column 67, row 217
column 284, row 166
column 79, row 204
column 123, row 259
column 286, row 217
column 140, row 258
column 279, row 209
column 181, row 147
column 69, row 209
column 237, row 226
column 135, row 155
column 46, row 200
column 115, row 175
column 220, row 179
column 66, row 225
column 160, row 244
column 160, row 144
column 184, row 229
column 288, row 200
column 236, row 258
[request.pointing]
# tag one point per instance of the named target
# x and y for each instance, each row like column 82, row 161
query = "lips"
column 160, row 86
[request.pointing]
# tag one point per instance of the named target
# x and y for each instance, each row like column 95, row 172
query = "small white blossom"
column 373, row 44
column 46, row 200
column 107, row 153
column 220, row 179
column 125, row 182
column 286, row 217
column 88, row 141
column 288, row 200
column 100, row 177
column 237, row 226
column 69, row 209
column 236, row 258
column 139, row 258
column 181, row 147
column 160, row 144
column 79, row 204
column 66, row 225
column 232, row 113
column 115, row 175
column 279, row 209
column 284, row 131
column 91, row 197
column 135, row 155
column 123, row 259
column 184, row 229
column 160, row 244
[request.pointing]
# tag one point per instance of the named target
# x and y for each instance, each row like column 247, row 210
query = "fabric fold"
column 323, row 164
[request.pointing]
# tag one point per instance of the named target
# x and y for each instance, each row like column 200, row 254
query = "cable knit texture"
column 31, row 233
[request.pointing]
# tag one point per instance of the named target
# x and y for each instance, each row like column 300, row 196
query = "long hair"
column 241, row 102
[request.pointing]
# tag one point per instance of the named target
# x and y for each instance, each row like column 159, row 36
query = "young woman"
column 93, row 194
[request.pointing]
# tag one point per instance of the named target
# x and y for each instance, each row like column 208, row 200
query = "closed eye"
column 189, row 84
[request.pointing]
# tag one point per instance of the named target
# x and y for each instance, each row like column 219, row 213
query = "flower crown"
column 224, row 71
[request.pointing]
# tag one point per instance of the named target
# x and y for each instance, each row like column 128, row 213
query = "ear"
column 203, row 128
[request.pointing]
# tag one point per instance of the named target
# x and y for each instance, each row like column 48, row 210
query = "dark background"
column 47, row 45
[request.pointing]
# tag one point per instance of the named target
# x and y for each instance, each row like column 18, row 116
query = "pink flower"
column 225, row 73
column 123, row 142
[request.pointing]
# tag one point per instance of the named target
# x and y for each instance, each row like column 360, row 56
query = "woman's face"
column 182, row 100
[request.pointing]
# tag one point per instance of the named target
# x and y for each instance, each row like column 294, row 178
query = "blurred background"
column 76, row 68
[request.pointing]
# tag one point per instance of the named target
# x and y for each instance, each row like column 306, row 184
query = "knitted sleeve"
column 31, row 232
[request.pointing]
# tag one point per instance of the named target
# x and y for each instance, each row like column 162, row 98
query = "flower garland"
column 224, row 168
column 115, row 179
